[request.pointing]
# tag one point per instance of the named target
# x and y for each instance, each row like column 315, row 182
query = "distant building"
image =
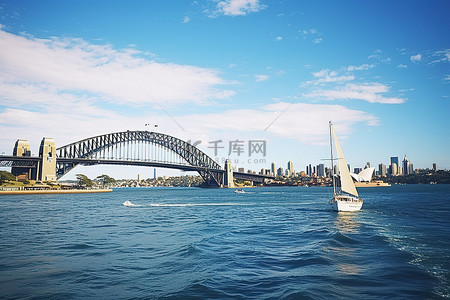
column 357, row 170
column 394, row 169
column 434, row 167
column 321, row 170
column 382, row 170
column 367, row 165
column 280, row 172
column 290, row 167
column 242, row 170
column 273, row 168
column 406, row 164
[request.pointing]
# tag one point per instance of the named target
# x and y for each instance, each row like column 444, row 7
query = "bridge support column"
column 47, row 166
column 228, row 178
column 22, row 148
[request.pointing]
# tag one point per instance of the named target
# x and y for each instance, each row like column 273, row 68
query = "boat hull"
column 346, row 203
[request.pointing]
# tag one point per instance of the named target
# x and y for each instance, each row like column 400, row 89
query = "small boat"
column 241, row 191
column 346, row 197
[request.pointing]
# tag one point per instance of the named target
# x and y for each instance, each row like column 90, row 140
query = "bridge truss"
column 142, row 148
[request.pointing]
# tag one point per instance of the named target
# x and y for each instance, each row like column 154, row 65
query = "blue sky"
column 232, row 70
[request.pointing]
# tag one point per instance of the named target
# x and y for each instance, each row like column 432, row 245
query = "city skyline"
column 232, row 71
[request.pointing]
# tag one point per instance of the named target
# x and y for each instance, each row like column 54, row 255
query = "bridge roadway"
column 32, row 162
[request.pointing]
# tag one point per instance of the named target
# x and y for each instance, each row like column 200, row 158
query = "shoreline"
column 33, row 192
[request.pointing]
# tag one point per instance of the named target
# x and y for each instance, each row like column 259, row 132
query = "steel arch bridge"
column 141, row 148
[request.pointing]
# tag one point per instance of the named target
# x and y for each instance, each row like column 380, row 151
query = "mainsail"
column 347, row 184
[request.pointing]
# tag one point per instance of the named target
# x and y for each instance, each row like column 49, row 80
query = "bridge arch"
column 116, row 148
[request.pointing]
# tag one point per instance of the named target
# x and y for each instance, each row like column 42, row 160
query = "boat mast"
column 332, row 162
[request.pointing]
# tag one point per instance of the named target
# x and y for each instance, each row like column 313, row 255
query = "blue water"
column 178, row 243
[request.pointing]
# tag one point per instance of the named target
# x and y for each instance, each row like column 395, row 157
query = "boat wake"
column 129, row 204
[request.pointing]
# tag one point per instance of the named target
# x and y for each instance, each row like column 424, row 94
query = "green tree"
column 5, row 175
column 105, row 179
column 83, row 180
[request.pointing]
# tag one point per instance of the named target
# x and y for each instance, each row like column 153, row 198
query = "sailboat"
column 346, row 197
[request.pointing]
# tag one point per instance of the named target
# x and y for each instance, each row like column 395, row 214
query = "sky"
column 235, row 71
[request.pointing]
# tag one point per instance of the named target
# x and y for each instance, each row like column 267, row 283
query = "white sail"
column 347, row 184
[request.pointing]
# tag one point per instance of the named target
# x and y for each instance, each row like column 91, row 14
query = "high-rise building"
column 394, row 169
column 367, row 165
column 357, row 170
column 290, row 167
column 382, row 170
column 321, row 170
column 273, row 169
column 406, row 164
column 434, row 167
column 280, row 172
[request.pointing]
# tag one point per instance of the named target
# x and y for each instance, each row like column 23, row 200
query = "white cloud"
column 317, row 41
column 261, row 77
column 402, row 66
column 312, row 34
column 416, row 58
column 300, row 121
column 327, row 76
column 378, row 55
column 372, row 93
column 238, row 7
column 278, row 38
column 69, row 66
column 186, row 19
column 360, row 68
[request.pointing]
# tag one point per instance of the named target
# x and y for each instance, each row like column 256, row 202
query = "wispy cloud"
column 380, row 56
column 360, row 68
column 371, row 92
column 311, row 34
column 261, row 77
column 278, row 38
column 186, row 19
column 416, row 58
column 402, row 66
column 237, row 7
column 70, row 66
column 327, row 76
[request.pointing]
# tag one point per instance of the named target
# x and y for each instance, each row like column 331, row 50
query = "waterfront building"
column 357, row 170
column 434, row 167
column 273, row 168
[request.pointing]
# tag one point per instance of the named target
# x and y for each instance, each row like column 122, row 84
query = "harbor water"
column 267, row 243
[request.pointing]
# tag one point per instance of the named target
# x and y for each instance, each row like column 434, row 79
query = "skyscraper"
column 321, row 170
column 406, row 164
column 290, row 167
column 273, row 169
column 393, row 170
column 382, row 169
